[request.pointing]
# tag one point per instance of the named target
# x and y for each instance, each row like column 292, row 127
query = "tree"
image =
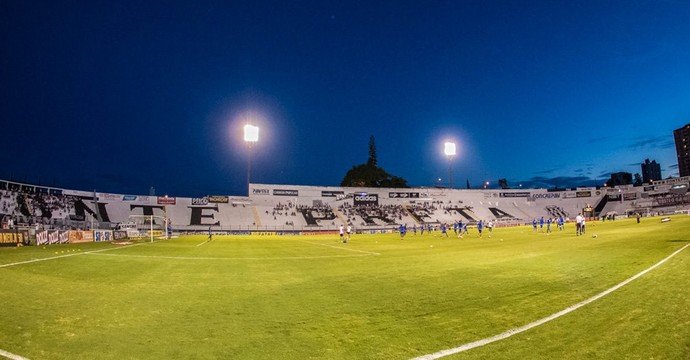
column 372, row 161
column 638, row 180
column 370, row 175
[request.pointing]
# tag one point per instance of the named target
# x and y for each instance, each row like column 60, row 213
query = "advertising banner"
column 369, row 199
column 283, row 192
column 546, row 196
column 119, row 234
column 12, row 237
column 79, row 236
column 583, row 194
column 129, row 197
column 167, row 200
column 42, row 237
column 200, row 201
column 102, row 235
column 649, row 188
column 629, row 196
column 331, row 193
column 261, row 192
column 220, row 199
column 64, row 237
column 514, row 194
column 54, row 237
column 403, row 195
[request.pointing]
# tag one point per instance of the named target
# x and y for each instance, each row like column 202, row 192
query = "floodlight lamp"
column 449, row 149
column 251, row 133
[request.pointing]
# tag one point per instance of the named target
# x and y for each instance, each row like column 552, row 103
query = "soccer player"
column 480, row 227
column 548, row 225
column 444, row 230
column 582, row 226
column 490, row 226
column 414, row 229
column 210, row 234
column 541, row 224
column 342, row 233
column 421, row 229
column 349, row 232
column 578, row 224
column 403, row 231
column 534, row 225
column 561, row 222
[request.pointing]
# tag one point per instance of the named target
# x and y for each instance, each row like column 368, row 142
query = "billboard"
column 283, row 192
column 129, row 197
column 514, row 194
column 629, row 196
column 219, row 199
column 200, row 201
column 331, row 193
column 79, row 236
column 261, row 192
column 403, row 195
column 546, row 196
column 583, row 194
column 13, row 237
column 119, row 234
column 167, row 200
column 102, row 235
column 368, row 199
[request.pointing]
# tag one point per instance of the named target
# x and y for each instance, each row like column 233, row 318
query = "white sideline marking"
column 234, row 258
column 64, row 256
column 9, row 355
column 340, row 248
column 517, row 330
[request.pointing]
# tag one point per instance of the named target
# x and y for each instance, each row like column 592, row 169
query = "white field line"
column 203, row 242
column 11, row 356
column 233, row 258
column 517, row 330
column 64, row 256
column 340, row 247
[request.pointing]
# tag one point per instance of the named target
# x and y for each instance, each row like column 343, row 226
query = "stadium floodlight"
column 251, row 136
column 449, row 150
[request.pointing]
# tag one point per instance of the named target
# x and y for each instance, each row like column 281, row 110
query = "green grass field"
column 377, row 297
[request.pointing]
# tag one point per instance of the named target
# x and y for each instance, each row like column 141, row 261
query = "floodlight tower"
column 251, row 136
column 449, row 150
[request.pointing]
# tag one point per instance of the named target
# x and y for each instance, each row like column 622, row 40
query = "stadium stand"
column 312, row 208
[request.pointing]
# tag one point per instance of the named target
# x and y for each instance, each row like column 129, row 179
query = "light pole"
column 449, row 150
column 251, row 136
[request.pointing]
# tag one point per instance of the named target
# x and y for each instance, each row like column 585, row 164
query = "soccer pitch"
column 377, row 297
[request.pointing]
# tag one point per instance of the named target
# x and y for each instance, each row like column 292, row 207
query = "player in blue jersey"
column 421, row 229
column 548, row 225
column 403, row 231
column 480, row 227
column 541, row 224
column 444, row 230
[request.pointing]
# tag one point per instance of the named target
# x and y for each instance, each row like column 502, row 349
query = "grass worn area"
column 376, row 297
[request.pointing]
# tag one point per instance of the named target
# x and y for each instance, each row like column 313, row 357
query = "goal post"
column 151, row 218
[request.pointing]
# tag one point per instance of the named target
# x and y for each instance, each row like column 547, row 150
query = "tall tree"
column 370, row 175
column 372, row 152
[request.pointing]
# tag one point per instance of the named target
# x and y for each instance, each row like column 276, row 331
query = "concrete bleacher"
column 309, row 208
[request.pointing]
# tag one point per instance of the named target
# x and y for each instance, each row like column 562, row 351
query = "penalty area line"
column 517, row 330
column 11, row 356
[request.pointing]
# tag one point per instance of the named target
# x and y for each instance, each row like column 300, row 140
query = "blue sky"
column 121, row 96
